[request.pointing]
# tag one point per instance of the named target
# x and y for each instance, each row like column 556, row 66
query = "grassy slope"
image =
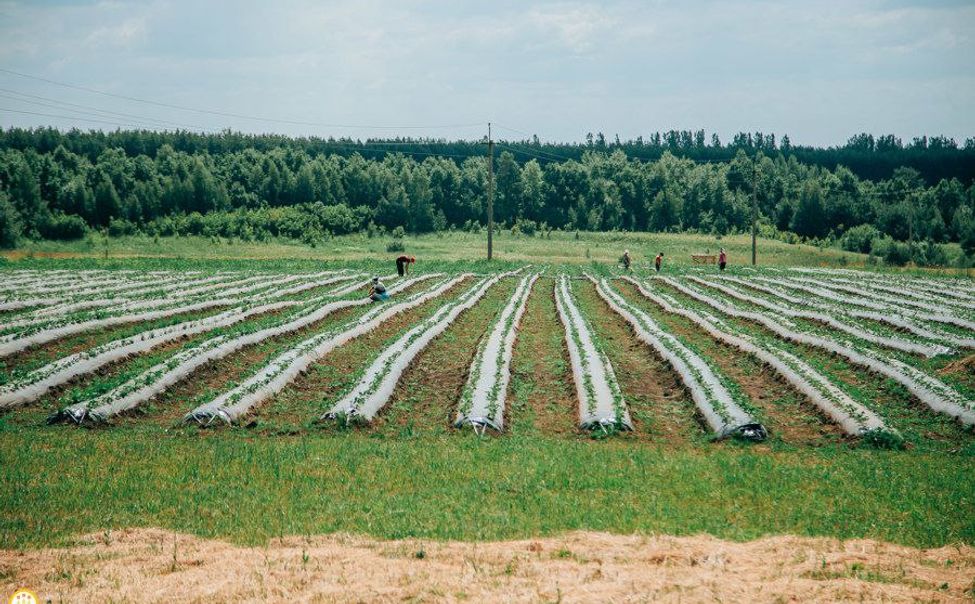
column 247, row 485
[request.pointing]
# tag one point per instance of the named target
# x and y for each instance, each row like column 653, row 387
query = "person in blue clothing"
column 378, row 293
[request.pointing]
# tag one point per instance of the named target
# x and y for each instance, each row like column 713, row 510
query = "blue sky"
column 818, row 71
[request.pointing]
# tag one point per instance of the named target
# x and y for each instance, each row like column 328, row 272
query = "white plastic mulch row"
column 601, row 402
column 896, row 321
column 36, row 383
column 79, row 303
column 78, row 285
column 910, row 295
column 712, row 398
column 34, row 323
column 58, row 314
column 955, row 289
column 158, row 378
column 855, row 299
column 893, row 301
column 929, row 390
column 16, row 342
column 943, row 296
column 483, row 398
column 284, row 368
column 375, row 388
column 852, row 417
column 927, row 350
column 146, row 296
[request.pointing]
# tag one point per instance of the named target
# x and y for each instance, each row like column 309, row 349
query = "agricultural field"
column 515, row 400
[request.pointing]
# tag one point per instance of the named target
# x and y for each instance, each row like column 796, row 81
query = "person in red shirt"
column 658, row 261
column 722, row 259
column 403, row 264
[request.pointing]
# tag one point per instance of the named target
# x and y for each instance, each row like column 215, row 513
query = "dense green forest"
column 868, row 195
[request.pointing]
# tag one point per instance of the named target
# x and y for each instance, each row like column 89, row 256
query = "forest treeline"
column 870, row 193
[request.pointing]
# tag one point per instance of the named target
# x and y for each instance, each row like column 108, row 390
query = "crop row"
column 830, row 320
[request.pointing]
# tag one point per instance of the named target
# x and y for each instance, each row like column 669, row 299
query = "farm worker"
column 658, row 261
column 403, row 264
column 377, row 293
column 722, row 259
column 626, row 259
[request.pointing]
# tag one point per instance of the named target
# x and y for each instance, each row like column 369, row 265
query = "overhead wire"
column 235, row 115
column 73, row 117
column 144, row 122
column 68, row 106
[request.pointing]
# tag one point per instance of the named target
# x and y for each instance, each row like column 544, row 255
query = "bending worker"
column 378, row 293
column 403, row 264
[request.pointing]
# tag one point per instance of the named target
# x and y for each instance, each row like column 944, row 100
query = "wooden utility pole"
column 754, row 211
column 490, row 197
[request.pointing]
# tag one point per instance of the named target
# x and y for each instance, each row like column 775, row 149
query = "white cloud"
column 576, row 26
column 560, row 67
column 122, row 35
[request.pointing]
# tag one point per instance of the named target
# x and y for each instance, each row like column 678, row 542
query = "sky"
column 817, row 71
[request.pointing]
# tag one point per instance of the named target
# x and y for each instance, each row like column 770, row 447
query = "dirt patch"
column 152, row 565
column 426, row 398
column 963, row 368
column 543, row 393
column 660, row 406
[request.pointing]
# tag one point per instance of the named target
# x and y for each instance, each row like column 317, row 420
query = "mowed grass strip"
column 250, row 489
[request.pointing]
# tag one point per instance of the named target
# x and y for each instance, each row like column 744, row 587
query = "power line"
column 229, row 114
column 33, row 98
column 73, row 117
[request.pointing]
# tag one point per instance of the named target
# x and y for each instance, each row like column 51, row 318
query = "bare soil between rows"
column 153, row 565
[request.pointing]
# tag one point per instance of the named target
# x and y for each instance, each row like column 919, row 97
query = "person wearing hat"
column 626, row 259
column 378, row 293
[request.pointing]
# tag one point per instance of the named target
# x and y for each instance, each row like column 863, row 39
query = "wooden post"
column 490, row 199
column 754, row 211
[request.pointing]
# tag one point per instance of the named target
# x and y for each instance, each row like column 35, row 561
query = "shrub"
column 928, row 253
column 892, row 252
column 396, row 245
column 526, row 227
column 859, row 238
column 64, row 227
column 119, row 227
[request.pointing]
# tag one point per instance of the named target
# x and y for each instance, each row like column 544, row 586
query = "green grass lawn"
column 246, row 488
column 251, row 484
